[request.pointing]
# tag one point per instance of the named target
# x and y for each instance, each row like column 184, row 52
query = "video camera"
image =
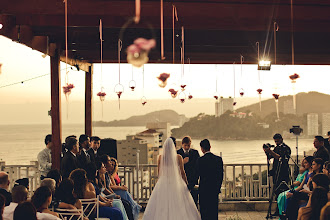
column 296, row 130
column 267, row 145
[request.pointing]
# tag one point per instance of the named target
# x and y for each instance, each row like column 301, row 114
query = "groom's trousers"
column 208, row 203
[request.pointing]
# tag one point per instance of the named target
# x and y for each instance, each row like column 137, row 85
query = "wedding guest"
column 325, row 212
column 26, row 211
column 318, row 199
column 326, row 168
column 55, row 175
column 22, row 182
column 41, row 199
column 64, row 149
column 92, row 181
column 301, row 195
column 282, row 199
column 101, row 183
column 19, row 195
column 122, row 191
column 4, row 186
column 45, row 158
column 64, row 193
column 70, row 162
column 84, row 190
column 190, row 157
column 2, row 205
column 95, row 145
column 321, row 151
column 84, row 159
column 326, row 142
column 210, row 171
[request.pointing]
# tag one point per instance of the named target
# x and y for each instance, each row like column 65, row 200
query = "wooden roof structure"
column 216, row 31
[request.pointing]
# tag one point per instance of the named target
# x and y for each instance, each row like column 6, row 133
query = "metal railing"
column 16, row 172
column 241, row 181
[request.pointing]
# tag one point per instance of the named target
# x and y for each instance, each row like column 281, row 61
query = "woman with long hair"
column 26, row 211
column 41, row 199
column 83, row 189
column 122, row 191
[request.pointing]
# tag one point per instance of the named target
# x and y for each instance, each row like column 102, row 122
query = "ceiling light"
column 264, row 65
column 1, row 26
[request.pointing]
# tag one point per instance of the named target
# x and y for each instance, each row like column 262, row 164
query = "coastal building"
column 223, row 105
column 288, row 107
column 129, row 149
column 163, row 129
column 312, row 124
column 325, row 123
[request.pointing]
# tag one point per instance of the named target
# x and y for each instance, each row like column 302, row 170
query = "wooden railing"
column 16, row 172
column 241, row 181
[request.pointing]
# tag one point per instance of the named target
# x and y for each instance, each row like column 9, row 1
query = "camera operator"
column 281, row 155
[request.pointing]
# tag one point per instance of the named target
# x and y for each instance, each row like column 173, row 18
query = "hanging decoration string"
column 234, row 73
column 26, row 80
column 137, row 11
column 119, row 88
column 241, row 91
column 259, row 78
column 101, row 94
column 162, row 30
column 292, row 37
column 66, row 41
column 182, row 52
column 120, row 46
column 276, row 28
column 174, row 18
column 143, row 99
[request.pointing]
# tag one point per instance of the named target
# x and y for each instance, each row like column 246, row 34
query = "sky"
column 20, row 63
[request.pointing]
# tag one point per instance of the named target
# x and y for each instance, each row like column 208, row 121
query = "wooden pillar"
column 88, row 101
column 56, row 108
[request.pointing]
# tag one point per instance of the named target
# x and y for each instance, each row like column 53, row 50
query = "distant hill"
column 312, row 102
column 141, row 120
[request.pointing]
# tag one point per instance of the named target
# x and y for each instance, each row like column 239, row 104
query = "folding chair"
column 91, row 206
column 71, row 214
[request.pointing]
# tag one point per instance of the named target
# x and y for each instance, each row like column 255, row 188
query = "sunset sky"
column 20, row 63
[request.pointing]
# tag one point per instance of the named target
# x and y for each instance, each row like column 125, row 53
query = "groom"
column 210, row 171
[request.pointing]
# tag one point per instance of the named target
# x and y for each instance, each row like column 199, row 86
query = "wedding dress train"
column 170, row 199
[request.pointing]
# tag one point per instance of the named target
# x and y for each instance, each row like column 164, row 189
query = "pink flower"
column 101, row 94
column 259, row 91
column 133, row 48
column 145, row 44
column 67, row 88
column 276, row 96
column 294, row 76
column 163, row 77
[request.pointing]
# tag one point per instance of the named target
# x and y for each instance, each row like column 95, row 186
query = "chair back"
column 91, row 206
column 70, row 214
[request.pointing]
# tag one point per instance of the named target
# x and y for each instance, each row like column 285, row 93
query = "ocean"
column 21, row 144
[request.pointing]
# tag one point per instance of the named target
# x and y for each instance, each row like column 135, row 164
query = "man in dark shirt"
column 69, row 161
column 326, row 142
column 4, row 186
column 190, row 157
column 321, row 151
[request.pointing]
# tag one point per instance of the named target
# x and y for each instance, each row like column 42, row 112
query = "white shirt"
column 45, row 161
column 8, row 213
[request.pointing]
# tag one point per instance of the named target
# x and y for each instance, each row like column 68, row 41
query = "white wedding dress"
column 170, row 199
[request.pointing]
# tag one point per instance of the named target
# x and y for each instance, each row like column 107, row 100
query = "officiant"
column 190, row 157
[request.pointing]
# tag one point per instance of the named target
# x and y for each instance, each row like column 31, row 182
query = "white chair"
column 71, row 214
column 91, row 205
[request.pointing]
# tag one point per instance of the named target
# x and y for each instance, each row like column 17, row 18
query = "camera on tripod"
column 267, row 145
column 296, row 130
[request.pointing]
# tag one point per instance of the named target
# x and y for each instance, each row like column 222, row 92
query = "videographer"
column 281, row 155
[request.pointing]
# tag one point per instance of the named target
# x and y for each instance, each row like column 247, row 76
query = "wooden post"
column 88, row 101
column 56, row 108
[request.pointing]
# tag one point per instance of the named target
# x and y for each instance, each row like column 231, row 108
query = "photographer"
column 281, row 155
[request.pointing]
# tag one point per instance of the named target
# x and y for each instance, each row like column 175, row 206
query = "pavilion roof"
column 216, row 31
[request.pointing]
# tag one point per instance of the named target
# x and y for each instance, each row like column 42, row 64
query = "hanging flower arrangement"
column 138, row 52
column 276, row 97
column 190, row 96
column 67, row 89
column 241, row 92
column 132, row 85
column 101, row 95
column 143, row 100
column 183, row 87
column 234, row 103
column 163, row 79
column 173, row 92
column 259, row 93
column 294, row 77
column 182, row 97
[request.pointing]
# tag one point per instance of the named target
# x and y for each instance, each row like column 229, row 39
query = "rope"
column 66, row 42
column 120, row 45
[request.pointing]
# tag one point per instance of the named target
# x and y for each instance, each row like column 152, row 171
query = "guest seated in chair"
column 122, row 191
column 82, row 189
column 41, row 199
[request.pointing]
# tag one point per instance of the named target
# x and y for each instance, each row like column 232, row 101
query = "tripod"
column 277, row 186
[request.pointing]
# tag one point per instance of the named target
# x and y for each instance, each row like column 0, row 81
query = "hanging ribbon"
column 234, row 103
column 182, row 52
column 119, row 88
column 241, row 91
column 137, row 11
column 259, row 90
column 276, row 28
column 162, row 30
column 175, row 17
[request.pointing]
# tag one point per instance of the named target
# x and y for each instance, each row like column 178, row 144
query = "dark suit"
column 84, row 160
column 94, row 157
column 68, row 164
column 210, row 171
column 190, row 169
column 7, row 196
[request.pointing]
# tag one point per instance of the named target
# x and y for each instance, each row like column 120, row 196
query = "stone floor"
column 233, row 215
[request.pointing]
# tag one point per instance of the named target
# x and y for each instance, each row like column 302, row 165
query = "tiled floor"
column 244, row 215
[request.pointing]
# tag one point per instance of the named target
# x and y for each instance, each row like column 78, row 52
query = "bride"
column 171, row 199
